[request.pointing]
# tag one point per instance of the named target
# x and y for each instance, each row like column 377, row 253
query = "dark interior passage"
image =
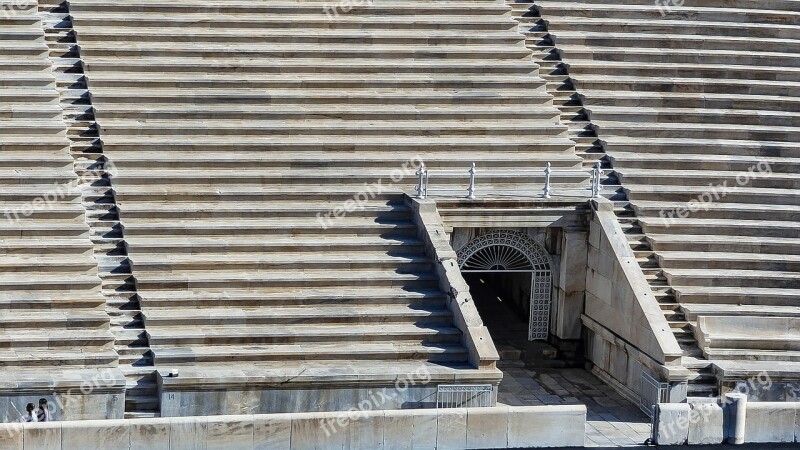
column 503, row 301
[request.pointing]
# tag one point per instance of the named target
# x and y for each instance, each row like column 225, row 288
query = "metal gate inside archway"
column 509, row 251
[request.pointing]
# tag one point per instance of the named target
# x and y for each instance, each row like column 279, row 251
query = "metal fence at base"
column 464, row 395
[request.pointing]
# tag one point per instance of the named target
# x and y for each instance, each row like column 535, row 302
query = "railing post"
column 471, row 188
column 547, row 172
column 597, row 173
column 425, row 187
column 420, row 173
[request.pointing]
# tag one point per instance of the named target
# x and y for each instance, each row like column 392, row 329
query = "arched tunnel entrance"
column 510, row 281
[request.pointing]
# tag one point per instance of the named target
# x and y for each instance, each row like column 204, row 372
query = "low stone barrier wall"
column 733, row 420
column 475, row 428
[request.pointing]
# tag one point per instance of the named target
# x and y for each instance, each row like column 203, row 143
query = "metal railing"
column 653, row 392
column 424, row 176
column 464, row 395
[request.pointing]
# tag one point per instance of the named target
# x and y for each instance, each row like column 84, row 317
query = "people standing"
column 44, row 412
column 30, row 416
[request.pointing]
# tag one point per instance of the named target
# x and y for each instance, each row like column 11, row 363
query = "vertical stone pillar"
column 737, row 411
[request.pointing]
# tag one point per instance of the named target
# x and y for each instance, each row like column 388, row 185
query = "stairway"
column 693, row 97
column 228, row 153
column 54, row 329
column 590, row 148
column 97, row 195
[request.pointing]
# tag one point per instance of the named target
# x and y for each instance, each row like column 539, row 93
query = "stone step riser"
column 681, row 27
column 439, row 320
column 759, row 180
column 731, row 247
column 707, row 86
column 263, row 232
column 741, row 299
column 177, row 51
column 707, row 132
column 199, row 215
column 312, row 22
column 436, row 179
column 307, row 68
column 740, row 196
column 92, row 36
column 773, row 265
column 146, row 283
column 735, row 228
column 696, row 101
column 414, row 356
column 733, row 214
column 710, row 280
column 623, row 163
column 204, row 248
column 311, row 8
column 253, row 338
column 667, row 146
column 665, row 56
column 209, row 265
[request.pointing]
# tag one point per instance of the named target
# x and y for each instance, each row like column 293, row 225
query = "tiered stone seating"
column 55, row 331
column 234, row 124
column 687, row 97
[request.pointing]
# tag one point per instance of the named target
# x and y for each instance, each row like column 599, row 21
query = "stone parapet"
column 474, row 428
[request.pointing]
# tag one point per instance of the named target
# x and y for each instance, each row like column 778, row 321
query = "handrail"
column 423, row 179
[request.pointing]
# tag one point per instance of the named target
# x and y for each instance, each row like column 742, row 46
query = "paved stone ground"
column 612, row 420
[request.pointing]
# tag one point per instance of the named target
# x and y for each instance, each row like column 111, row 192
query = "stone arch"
column 514, row 251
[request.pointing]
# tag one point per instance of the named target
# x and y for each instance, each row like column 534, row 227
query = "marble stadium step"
column 311, row 159
column 712, row 295
column 646, row 85
column 342, row 51
column 742, row 244
column 682, row 97
column 695, row 310
column 282, row 339
column 91, row 34
column 315, row 115
column 736, row 261
column 733, row 278
column 728, row 194
column 411, row 8
column 719, row 210
column 201, row 262
column 711, row 100
column 319, row 297
column 433, row 315
column 738, row 163
column 233, row 354
column 721, row 227
column 321, row 127
column 281, row 280
column 118, row 80
column 645, row 40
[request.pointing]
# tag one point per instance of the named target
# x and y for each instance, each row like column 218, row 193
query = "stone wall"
column 732, row 420
column 626, row 332
column 478, row 428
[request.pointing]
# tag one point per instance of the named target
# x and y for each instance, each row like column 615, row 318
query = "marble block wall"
column 626, row 332
column 475, row 428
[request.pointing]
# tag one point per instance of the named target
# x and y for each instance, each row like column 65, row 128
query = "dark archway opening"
column 503, row 301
